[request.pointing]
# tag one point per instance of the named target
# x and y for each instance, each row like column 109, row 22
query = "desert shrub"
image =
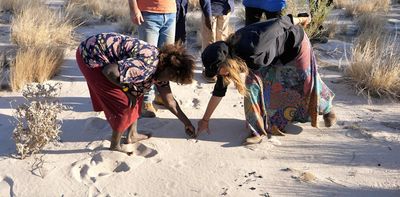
column 81, row 11
column 359, row 7
column 36, row 123
column 319, row 14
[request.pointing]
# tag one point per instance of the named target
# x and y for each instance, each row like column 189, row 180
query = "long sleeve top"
column 262, row 44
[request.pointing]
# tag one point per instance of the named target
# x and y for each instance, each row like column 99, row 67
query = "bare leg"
column 134, row 136
column 115, row 142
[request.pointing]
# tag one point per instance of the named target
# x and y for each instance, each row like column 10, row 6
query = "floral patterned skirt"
column 280, row 94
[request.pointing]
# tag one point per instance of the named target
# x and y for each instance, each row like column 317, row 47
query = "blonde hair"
column 235, row 66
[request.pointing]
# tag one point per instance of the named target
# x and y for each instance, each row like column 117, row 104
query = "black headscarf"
column 213, row 55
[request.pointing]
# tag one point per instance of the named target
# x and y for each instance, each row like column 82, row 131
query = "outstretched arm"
column 212, row 105
column 173, row 106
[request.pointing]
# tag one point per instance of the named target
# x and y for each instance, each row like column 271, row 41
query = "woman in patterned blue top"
column 119, row 69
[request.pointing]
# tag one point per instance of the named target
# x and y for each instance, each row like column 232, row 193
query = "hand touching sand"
column 202, row 126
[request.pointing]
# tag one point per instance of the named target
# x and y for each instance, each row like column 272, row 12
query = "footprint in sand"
column 95, row 124
column 106, row 163
column 7, row 187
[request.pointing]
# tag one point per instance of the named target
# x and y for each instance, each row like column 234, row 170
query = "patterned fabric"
column 137, row 60
column 280, row 94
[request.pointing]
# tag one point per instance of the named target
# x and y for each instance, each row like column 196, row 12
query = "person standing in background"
column 215, row 20
column 255, row 8
column 215, row 23
column 156, row 20
column 180, row 31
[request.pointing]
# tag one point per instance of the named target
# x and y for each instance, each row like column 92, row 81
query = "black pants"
column 253, row 15
column 180, row 28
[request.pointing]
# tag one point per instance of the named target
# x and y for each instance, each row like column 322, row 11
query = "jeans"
column 157, row 29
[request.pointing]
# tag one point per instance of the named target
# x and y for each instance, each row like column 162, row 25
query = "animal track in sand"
column 7, row 186
column 107, row 163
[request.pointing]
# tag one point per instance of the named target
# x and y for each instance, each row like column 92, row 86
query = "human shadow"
column 231, row 132
column 77, row 104
column 7, row 146
column 333, row 189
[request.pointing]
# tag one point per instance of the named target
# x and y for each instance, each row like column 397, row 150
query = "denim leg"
column 156, row 30
column 167, row 31
column 149, row 32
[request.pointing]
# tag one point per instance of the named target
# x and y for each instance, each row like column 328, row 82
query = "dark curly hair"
column 175, row 59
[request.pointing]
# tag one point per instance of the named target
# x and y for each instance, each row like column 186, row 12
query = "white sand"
column 358, row 157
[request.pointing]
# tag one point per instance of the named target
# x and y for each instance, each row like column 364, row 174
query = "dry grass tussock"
column 4, row 71
column 371, row 27
column 40, row 26
column 36, row 122
column 82, row 11
column 35, row 65
column 375, row 66
column 41, row 35
column 17, row 5
column 359, row 7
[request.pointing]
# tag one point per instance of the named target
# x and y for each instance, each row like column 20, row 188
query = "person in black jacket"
column 282, row 83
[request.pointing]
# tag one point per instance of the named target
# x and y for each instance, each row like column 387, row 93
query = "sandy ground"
column 360, row 156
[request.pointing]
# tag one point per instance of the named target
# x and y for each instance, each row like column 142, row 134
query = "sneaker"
column 209, row 79
column 330, row 119
column 148, row 110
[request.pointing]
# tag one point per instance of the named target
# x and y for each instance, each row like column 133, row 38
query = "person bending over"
column 119, row 69
column 282, row 82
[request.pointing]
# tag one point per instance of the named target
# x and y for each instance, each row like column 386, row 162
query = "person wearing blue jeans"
column 156, row 20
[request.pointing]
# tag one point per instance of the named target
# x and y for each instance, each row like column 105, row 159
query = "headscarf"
column 213, row 55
